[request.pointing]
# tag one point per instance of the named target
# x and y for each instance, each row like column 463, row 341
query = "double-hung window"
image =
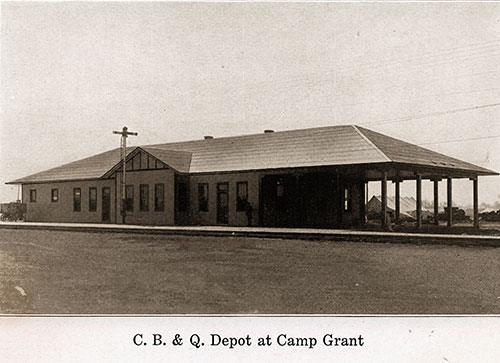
column 77, row 200
column 203, row 197
column 144, row 197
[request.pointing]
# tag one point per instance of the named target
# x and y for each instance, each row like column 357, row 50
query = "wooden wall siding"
column 43, row 210
column 150, row 177
column 235, row 218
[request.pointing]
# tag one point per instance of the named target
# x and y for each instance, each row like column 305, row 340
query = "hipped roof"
column 315, row 147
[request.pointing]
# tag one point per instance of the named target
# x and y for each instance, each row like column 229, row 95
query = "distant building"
column 459, row 214
column 305, row 178
column 408, row 206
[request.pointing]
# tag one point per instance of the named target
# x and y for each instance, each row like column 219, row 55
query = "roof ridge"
column 263, row 134
column 144, row 147
column 371, row 143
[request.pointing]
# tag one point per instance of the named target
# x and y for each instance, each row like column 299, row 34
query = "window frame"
column 77, row 202
column 159, row 205
column 203, row 205
column 241, row 202
column 56, row 194
column 32, row 195
column 92, row 203
column 144, row 202
column 129, row 199
column 280, row 189
column 347, row 199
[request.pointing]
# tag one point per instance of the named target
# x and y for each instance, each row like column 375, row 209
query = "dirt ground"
column 49, row 272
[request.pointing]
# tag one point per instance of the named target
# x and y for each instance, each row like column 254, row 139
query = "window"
column 92, row 199
column 144, row 197
column 181, row 197
column 129, row 198
column 33, row 195
column 54, row 195
column 347, row 199
column 241, row 196
column 203, row 197
column 77, row 200
column 280, row 189
column 159, row 197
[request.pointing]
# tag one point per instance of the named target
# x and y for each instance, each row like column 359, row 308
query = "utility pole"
column 123, row 152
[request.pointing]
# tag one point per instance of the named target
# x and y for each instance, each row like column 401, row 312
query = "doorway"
column 222, row 203
column 106, row 204
column 279, row 201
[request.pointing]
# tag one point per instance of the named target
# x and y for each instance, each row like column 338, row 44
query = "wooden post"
column 362, row 205
column 436, row 201
column 397, row 201
column 475, row 201
column 298, row 205
column 419, row 201
column 123, row 150
column 449, row 202
column 261, row 203
column 384, row 200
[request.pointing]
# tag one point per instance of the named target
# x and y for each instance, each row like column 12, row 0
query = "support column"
column 436, row 201
column 475, row 201
column 299, row 207
column 362, row 205
column 339, row 198
column 383, row 186
column 397, row 199
column 449, row 202
column 366, row 192
column 419, row 201
column 261, row 203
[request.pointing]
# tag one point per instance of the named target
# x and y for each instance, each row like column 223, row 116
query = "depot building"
column 302, row 178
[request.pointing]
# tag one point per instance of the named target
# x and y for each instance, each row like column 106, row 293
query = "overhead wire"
column 460, row 140
column 480, row 45
column 439, row 113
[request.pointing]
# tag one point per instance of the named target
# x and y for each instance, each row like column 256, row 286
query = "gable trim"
column 129, row 157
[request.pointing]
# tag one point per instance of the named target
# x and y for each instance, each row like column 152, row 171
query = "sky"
column 71, row 73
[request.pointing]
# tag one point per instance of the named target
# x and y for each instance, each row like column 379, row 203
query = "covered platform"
column 411, row 162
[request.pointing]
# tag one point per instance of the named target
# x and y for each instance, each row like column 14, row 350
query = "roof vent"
column 268, row 131
column 208, row 137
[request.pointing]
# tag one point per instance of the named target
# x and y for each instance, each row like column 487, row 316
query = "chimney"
column 208, row 137
column 268, row 131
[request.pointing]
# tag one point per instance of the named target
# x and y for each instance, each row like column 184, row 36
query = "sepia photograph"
column 228, row 158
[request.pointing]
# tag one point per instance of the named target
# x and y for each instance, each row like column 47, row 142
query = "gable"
column 143, row 161
column 144, row 158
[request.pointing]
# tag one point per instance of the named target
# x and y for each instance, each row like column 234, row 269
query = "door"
column 106, row 204
column 280, row 201
column 222, row 203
